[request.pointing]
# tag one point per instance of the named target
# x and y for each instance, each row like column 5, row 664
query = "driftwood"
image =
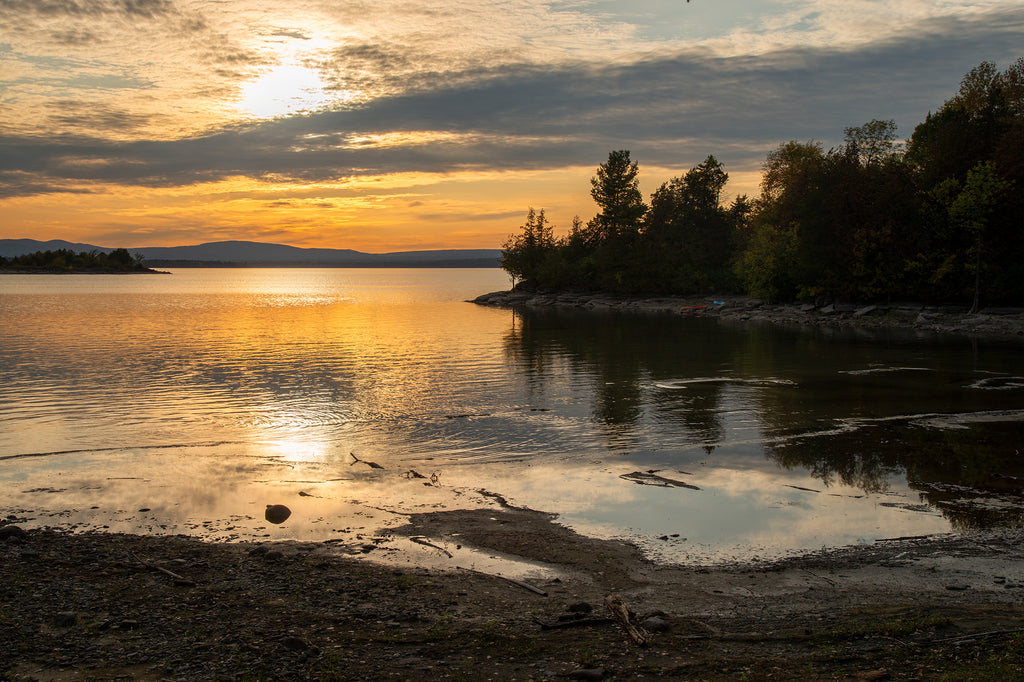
column 180, row 580
column 578, row 623
column 420, row 540
column 636, row 633
column 372, row 465
column 960, row 639
column 652, row 478
column 903, row 538
column 520, row 583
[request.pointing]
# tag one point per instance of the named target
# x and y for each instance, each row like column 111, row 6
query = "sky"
column 388, row 125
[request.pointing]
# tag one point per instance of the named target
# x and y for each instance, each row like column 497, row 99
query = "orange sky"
column 391, row 126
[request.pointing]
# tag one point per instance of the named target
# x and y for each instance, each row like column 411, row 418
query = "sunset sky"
column 387, row 125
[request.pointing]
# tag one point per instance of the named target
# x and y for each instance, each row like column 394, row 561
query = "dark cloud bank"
column 668, row 110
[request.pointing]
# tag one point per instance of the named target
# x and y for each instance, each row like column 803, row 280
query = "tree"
column 874, row 142
column 523, row 254
column 983, row 122
column 616, row 189
column 765, row 267
column 776, row 231
column 971, row 208
column 789, row 169
column 978, row 89
column 689, row 234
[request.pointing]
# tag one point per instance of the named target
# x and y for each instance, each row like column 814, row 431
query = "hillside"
column 244, row 253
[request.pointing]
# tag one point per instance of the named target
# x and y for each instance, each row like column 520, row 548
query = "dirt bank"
column 106, row 606
column 1006, row 322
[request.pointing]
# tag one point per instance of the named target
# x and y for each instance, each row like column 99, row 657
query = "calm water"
column 187, row 403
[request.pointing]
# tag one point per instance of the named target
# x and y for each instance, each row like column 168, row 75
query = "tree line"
column 938, row 217
column 66, row 260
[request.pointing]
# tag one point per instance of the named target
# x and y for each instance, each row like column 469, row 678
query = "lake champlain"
column 186, row 403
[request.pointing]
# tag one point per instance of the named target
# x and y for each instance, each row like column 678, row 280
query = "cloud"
column 462, row 216
column 670, row 108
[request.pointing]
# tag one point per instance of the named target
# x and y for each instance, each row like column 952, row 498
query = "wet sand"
column 109, row 606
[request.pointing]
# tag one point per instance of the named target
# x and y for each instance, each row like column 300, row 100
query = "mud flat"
column 109, row 606
column 1006, row 322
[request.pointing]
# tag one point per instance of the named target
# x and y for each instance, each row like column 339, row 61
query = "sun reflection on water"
column 359, row 398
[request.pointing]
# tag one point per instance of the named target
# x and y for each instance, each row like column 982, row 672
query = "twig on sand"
column 420, row 540
column 580, row 623
column 520, row 583
column 960, row 639
column 372, row 465
column 180, row 580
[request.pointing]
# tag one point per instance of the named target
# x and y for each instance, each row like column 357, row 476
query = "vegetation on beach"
column 66, row 260
column 935, row 218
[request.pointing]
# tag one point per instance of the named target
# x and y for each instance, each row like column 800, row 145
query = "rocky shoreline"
column 916, row 317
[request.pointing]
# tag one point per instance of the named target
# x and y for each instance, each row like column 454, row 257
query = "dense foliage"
column 939, row 217
column 66, row 260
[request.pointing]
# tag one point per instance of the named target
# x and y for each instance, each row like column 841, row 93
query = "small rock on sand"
column 277, row 513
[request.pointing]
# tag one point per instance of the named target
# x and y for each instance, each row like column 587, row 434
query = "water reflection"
column 206, row 396
column 620, row 358
column 849, row 409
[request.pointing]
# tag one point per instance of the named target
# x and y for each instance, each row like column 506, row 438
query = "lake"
column 187, row 403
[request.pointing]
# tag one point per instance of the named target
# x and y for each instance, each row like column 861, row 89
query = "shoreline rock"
column 911, row 316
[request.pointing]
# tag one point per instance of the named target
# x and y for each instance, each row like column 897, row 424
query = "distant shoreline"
column 432, row 265
column 148, row 271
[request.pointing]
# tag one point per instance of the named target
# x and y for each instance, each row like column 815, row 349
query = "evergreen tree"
column 523, row 254
column 616, row 189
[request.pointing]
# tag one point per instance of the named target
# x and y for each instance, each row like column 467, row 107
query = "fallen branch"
column 180, row 580
column 419, row 540
column 651, row 478
column 978, row 635
column 520, row 583
column 636, row 633
column 372, row 465
column 905, row 537
column 580, row 623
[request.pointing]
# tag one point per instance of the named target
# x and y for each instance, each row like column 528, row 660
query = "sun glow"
column 285, row 89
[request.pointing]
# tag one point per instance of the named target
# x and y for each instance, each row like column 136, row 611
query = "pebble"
column 580, row 607
column 11, row 532
column 277, row 513
column 294, row 643
column 958, row 586
column 655, row 624
column 64, row 619
column 588, row 674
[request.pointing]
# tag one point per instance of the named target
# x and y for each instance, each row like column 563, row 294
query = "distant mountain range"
column 240, row 253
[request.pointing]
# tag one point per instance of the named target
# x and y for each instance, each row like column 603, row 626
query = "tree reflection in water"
column 850, row 407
